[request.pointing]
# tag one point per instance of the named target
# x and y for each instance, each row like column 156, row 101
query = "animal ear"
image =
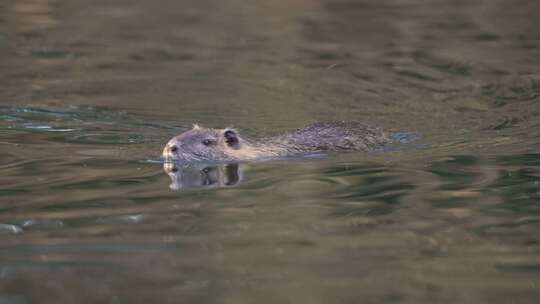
column 231, row 138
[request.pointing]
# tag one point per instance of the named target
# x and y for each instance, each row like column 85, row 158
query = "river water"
column 91, row 90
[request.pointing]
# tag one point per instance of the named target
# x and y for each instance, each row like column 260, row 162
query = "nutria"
column 205, row 144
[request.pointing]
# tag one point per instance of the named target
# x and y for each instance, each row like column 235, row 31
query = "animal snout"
column 170, row 151
column 167, row 152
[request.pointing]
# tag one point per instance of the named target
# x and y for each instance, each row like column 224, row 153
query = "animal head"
column 202, row 144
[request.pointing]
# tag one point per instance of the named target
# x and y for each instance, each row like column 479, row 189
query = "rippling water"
column 90, row 92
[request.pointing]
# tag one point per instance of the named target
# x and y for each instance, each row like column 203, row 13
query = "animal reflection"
column 198, row 175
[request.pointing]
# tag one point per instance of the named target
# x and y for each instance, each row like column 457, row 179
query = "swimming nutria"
column 204, row 144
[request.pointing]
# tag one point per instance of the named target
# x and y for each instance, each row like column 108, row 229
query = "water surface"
column 90, row 92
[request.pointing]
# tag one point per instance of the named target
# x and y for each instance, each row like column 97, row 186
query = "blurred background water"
column 91, row 90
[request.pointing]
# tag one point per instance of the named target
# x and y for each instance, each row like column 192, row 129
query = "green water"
column 90, row 91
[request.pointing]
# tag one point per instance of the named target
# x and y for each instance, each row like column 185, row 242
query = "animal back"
column 323, row 136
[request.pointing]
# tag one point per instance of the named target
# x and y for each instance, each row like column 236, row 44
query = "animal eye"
column 174, row 149
column 207, row 142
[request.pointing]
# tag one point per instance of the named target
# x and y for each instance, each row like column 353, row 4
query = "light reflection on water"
column 90, row 93
column 192, row 176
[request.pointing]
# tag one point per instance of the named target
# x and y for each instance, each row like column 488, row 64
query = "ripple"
column 107, row 138
column 449, row 66
column 415, row 75
column 84, row 125
column 53, row 54
column 9, row 228
column 47, row 128
column 42, row 223
column 511, row 90
column 487, row 36
column 131, row 218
